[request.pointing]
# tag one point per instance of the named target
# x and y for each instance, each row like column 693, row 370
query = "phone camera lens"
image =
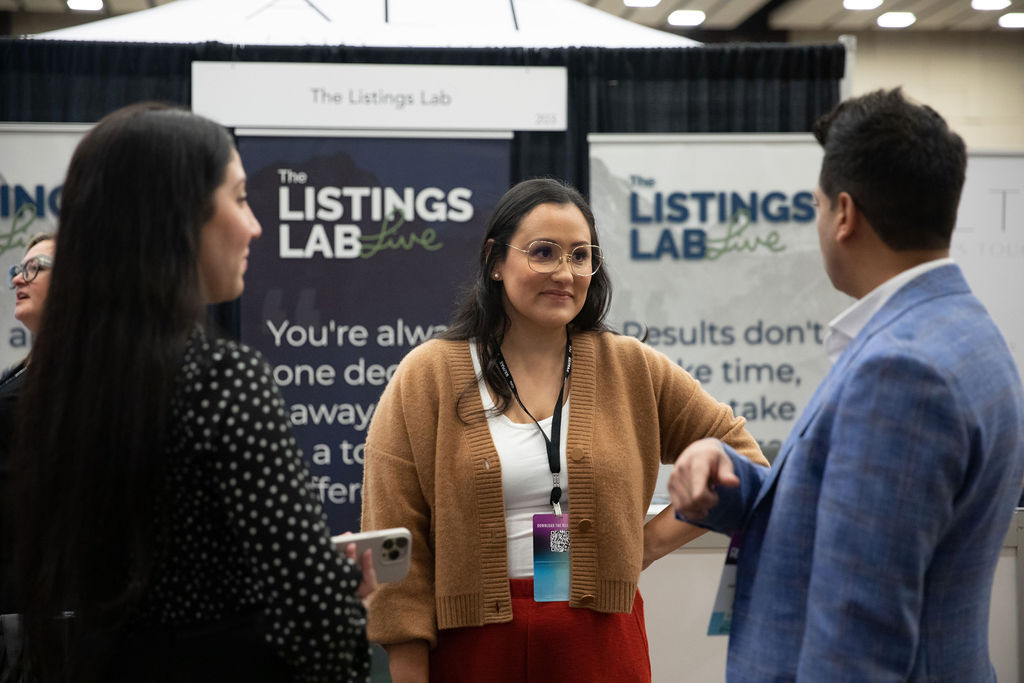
column 401, row 541
column 389, row 543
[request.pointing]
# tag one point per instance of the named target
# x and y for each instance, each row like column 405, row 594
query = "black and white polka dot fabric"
column 244, row 528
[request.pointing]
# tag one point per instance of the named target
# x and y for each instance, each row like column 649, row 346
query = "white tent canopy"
column 380, row 23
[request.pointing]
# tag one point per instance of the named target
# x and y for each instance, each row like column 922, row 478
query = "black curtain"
column 728, row 88
column 706, row 89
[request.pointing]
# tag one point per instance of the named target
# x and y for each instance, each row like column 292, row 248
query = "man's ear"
column 848, row 217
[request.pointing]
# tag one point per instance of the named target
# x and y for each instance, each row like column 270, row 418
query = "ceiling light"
column 1012, row 20
column 686, row 17
column 85, row 5
column 989, row 4
column 896, row 19
column 640, row 3
column 861, row 4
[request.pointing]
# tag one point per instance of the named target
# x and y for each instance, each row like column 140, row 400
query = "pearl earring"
column 497, row 275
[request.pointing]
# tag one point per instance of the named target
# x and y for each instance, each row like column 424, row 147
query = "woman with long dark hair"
column 166, row 529
column 522, row 452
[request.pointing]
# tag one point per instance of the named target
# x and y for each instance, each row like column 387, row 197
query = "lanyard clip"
column 556, row 494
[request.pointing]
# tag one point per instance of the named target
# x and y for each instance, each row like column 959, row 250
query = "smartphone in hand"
column 392, row 549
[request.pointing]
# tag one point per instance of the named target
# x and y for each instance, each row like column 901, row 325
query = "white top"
column 848, row 324
column 525, row 475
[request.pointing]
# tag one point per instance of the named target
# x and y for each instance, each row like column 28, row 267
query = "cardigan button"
column 587, row 599
column 577, row 454
column 584, row 525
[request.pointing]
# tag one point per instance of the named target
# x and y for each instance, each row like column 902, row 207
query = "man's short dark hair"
column 900, row 162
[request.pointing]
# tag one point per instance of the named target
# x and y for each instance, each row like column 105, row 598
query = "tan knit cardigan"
column 632, row 408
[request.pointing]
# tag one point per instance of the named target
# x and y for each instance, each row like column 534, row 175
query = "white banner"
column 988, row 242
column 713, row 250
column 713, row 247
column 381, row 96
column 33, row 162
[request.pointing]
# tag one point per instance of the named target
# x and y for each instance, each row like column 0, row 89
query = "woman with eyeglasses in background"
column 166, row 529
column 522, row 451
column 30, row 281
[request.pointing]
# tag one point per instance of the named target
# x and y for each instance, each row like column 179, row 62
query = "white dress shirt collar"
column 847, row 325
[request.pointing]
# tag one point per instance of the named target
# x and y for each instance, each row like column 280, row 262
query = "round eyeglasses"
column 546, row 257
column 29, row 269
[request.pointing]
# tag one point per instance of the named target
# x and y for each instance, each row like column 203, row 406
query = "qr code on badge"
column 559, row 540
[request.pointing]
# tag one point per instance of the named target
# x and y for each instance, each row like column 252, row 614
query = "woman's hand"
column 369, row 583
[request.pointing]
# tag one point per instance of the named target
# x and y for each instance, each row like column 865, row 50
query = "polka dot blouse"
column 244, row 528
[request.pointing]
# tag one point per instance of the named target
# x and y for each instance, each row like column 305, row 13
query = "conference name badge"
column 550, row 558
column 721, row 613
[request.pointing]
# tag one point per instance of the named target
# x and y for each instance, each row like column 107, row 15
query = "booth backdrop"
column 717, row 89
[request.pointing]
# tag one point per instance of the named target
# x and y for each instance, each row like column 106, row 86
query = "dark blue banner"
column 366, row 244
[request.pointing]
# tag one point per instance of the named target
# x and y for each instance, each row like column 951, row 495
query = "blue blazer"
column 869, row 548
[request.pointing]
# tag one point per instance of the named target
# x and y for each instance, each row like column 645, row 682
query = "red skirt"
column 546, row 642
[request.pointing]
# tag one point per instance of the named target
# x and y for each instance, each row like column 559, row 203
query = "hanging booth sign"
column 366, row 244
column 381, row 96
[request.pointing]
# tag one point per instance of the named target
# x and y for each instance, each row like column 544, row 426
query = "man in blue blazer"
column 867, row 552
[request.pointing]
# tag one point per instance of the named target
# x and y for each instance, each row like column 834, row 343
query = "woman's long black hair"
column 481, row 314
column 124, row 297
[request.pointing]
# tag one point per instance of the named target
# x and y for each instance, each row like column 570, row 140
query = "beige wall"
column 975, row 80
column 28, row 23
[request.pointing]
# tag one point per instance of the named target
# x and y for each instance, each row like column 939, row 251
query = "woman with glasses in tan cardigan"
column 522, row 451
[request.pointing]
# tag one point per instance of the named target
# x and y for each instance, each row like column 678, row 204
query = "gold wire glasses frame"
column 546, row 257
column 29, row 269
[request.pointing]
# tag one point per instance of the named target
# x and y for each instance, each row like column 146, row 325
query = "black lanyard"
column 554, row 443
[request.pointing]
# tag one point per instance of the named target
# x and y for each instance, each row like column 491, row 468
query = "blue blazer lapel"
column 806, row 417
column 941, row 281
